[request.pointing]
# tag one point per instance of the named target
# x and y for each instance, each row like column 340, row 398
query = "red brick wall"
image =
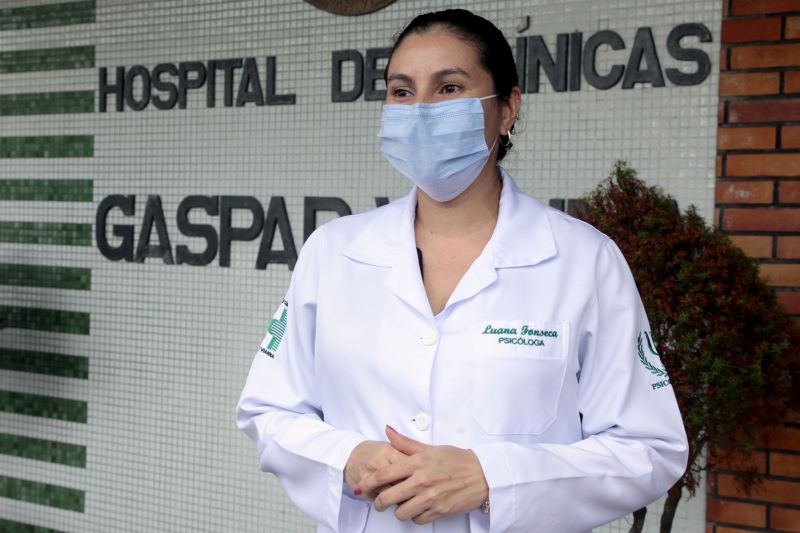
column 774, row 505
column 758, row 205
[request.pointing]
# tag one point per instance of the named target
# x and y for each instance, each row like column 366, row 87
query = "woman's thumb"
column 402, row 443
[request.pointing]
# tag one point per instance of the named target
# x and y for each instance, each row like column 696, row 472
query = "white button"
column 422, row 421
column 429, row 338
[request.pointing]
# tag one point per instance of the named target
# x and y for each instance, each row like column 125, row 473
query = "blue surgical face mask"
column 441, row 147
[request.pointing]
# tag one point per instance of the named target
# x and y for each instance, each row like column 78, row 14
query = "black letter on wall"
column 688, row 54
column 226, row 66
column 153, row 215
column 124, row 250
column 575, row 48
column 337, row 58
column 137, row 70
column 594, row 79
column 556, row 71
column 374, row 74
column 643, row 46
column 277, row 217
column 210, row 204
column 167, row 86
column 249, row 85
column 272, row 98
column 227, row 234
column 185, row 82
column 117, row 88
column 522, row 62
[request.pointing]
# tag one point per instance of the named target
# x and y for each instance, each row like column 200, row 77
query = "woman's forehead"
column 432, row 51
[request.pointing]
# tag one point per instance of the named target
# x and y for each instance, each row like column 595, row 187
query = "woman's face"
column 437, row 65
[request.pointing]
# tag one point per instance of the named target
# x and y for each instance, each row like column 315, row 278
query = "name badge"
column 538, row 340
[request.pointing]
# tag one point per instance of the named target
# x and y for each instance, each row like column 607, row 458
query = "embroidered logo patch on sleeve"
column 656, row 370
column 275, row 330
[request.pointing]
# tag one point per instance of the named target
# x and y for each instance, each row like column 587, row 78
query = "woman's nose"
column 425, row 95
column 423, row 98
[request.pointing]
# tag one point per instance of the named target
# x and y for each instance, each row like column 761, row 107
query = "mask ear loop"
column 498, row 135
column 495, row 142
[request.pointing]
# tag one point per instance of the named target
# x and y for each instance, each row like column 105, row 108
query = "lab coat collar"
column 522, row 236
column 382, row 241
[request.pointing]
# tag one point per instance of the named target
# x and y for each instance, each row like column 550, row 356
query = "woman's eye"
column 400, row 93
column 450, row 88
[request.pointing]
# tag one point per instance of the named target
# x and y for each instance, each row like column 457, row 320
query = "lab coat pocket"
column 518, row 371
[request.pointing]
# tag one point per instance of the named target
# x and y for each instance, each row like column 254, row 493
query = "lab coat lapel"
column 522, row 237
column 480, row 275
column 405, row 280
column 390, row 242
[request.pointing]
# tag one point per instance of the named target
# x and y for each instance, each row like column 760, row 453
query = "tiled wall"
column 118, row 379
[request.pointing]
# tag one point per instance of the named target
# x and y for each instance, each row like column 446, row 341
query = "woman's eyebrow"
column 436, row 75
column 400, row 77
column 449, row 72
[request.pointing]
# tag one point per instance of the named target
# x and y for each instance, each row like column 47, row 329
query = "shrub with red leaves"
column 730, row 350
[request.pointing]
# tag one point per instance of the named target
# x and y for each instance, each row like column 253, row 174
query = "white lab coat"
column 539, row 363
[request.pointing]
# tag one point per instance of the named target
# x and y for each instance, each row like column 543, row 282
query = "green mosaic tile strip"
column 62, row 58
column 47, row 146
column 9, row 526
column 51, row 364
column 71, row 234
column 46, row 190
column 45, row 319
column 63, row 14
column 22, row 403
column 53, row 277
column 43, row 450
column 47, row 103
column 42, row 493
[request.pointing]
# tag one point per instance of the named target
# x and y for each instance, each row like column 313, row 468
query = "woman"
column 464, row 358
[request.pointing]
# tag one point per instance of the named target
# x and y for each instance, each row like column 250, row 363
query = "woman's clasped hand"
column 423, row 482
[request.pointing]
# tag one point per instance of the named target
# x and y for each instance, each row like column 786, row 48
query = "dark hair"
column 494, row 53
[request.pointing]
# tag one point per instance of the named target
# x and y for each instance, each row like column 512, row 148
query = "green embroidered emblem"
column 660, row 372
column 276, row 329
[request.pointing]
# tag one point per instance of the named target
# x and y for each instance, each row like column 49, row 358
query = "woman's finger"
column 395, row 494
column 415, row 506
column 375, row 492
column 426, row 517
column 404, row 444
column 387, row 475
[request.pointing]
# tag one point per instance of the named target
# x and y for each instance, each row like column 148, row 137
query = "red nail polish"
column 357, row 491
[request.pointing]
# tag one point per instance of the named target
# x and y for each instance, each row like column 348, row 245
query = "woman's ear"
column 511, row 107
